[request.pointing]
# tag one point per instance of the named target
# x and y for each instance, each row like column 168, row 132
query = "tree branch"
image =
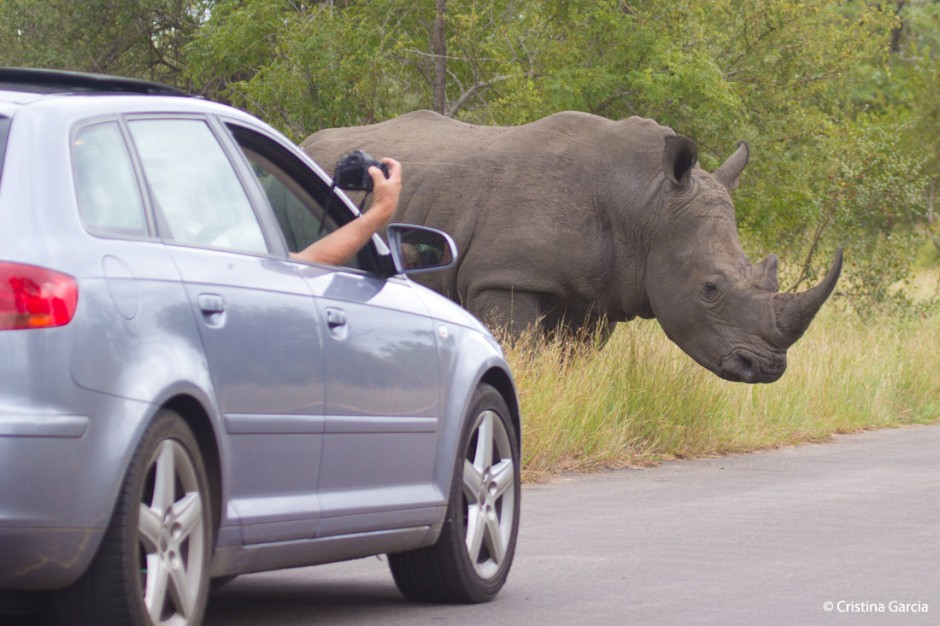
column 476, row 87
column 817, row 236
column 439, row 49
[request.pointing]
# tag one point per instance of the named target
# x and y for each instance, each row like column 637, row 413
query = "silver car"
column 180, row 401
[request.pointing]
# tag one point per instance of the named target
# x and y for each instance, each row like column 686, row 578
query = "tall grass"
column 640, row 399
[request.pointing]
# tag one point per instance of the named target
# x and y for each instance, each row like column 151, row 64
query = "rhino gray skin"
column 576, row 221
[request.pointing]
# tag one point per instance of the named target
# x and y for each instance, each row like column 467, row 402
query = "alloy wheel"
column 172, row 535
column 489, row 494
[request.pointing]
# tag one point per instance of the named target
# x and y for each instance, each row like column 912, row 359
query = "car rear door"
column 257, row 320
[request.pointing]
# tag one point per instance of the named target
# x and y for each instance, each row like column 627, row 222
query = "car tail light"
column 34, row 297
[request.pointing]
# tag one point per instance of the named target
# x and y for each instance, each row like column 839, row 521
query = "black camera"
column 352, row 171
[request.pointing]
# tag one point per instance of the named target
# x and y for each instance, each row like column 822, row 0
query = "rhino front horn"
column 793, row 312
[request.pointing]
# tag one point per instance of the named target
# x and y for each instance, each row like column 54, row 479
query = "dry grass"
column 640, row 399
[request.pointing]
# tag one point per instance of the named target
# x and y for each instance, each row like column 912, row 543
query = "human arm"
column 340, row 245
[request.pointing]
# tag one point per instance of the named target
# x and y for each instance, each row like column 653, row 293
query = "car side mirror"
column 420, row 248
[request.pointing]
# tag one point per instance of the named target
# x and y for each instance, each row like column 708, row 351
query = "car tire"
column 471, row 559
column 153, row 563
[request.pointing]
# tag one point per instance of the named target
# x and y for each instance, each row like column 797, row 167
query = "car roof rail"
column 45, row 81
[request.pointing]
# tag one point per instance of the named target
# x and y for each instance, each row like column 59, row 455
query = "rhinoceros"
column 578, row 222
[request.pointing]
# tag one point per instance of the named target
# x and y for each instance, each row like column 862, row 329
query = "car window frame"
column 5, row 122
column 371, row 261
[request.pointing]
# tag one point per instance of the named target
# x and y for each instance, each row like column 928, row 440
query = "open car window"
column 305, row 206
column 302, row 219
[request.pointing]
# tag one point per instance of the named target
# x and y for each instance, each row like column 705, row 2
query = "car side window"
column 301, row 218
column 195, row 187
column 109, row 200
column 306, row 207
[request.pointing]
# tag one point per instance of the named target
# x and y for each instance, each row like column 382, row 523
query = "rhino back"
column 530, row 206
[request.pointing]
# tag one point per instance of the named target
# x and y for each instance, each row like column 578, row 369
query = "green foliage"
column 142, row 39
column 301, row 66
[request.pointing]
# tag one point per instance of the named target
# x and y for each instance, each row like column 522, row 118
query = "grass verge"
column 640, row 400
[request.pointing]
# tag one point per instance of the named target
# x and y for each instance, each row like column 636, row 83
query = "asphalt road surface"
column 846, row 532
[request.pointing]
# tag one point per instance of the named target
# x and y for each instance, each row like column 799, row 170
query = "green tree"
column 300, row 65
column 913, row 86
column 142, row 39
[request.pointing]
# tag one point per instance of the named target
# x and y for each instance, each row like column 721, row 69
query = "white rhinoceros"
column 575, row 220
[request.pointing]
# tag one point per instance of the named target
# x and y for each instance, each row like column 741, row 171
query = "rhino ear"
column 728, row 173
column 679, row 157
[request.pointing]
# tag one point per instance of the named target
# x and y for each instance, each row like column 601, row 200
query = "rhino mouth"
column 744, row 366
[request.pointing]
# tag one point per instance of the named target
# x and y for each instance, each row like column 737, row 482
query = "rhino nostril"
column 740, row 367
column 745, row 367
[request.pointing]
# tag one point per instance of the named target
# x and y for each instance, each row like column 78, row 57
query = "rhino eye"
column 710, row 291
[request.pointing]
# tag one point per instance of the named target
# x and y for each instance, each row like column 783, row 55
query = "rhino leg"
column 574, row 321
column 516, row 314
column 594, row 332
column 505, row 312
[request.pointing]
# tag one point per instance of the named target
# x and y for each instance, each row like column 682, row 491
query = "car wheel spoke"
column 187, row 512
column 503, row 476
column 165, row 478
column 149, row 525
column 484, row 452
column 157, row 584
column 476, row 528
column 494, row 539
column 472, row 482
column 181, row 591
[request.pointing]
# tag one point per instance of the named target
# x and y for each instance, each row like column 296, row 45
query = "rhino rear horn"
column 793, row 312
column 679, row 157
column 764, row 274
column 731, row 169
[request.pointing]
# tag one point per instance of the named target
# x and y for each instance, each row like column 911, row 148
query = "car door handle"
column 335, row 318
column 211, row 303
column 336, row 323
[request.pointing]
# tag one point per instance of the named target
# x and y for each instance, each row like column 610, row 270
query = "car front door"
column 257, row 320
column 382, row 401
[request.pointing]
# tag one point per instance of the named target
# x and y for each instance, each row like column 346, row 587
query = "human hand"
column 385, row 191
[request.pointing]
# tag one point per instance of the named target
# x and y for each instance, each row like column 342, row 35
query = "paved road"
column 764, row 538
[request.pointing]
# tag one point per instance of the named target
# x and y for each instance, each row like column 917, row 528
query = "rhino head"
column 722, row 310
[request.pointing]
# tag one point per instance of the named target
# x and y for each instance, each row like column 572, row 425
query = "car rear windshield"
column 4, row 131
